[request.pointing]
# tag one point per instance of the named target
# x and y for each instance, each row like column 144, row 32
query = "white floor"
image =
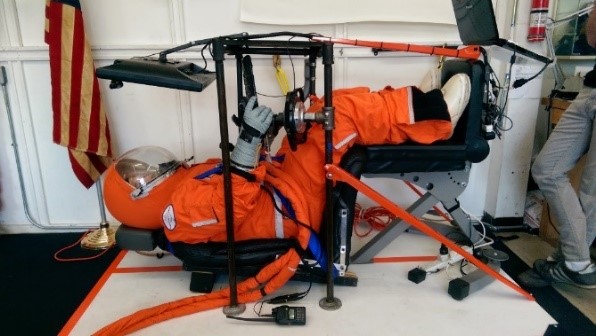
column 385, row 302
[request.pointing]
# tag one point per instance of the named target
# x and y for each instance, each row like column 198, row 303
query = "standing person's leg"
column 587, row 190
column 571, row 138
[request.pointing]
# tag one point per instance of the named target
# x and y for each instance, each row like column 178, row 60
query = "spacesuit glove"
column 255, row 123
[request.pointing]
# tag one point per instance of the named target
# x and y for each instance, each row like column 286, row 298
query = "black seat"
column 468, row 142
column 441, row 168
column 467, row 145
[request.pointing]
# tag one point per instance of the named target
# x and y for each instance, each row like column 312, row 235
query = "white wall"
column 186, row 123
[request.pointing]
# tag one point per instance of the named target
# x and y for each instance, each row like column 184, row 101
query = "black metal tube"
column 279, row 50
column 328, row 109
column 312, row 59
column 239, row 85
column 218, row 57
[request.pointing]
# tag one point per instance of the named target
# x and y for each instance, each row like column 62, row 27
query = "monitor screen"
column 476, row 22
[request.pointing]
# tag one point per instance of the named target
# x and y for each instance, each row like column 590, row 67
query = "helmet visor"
column 144, row 168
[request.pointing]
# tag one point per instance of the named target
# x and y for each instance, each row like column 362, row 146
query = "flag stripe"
column 88, row 116
column 55, row 33
column 80, row 122
column 90, row 132
column 85, row 172
column 46, row 36
column 65, row 73
column 76, row 80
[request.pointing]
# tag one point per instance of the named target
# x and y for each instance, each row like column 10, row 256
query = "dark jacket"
column 590, row 79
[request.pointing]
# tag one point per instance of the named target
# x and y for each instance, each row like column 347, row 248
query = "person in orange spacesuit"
column 189, row 201
column 279, row 198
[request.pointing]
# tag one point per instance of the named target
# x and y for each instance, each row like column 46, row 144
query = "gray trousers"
column 573, row 137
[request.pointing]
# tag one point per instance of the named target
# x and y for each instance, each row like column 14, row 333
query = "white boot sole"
column 456, row 93
column 431, row 81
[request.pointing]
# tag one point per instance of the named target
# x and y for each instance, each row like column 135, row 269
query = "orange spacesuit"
column 196, row 212
column 192, row 206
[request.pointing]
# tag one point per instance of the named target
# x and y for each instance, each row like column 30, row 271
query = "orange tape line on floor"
column 92, row 294
column 148, row 269
column 403, row 259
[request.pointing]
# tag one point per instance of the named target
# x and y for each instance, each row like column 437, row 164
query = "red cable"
column 376, row 217
column 56, row 257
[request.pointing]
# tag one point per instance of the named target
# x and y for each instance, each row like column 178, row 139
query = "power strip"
column 446, row 260
column 455, row 257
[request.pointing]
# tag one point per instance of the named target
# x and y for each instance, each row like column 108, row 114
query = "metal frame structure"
column 187, row 76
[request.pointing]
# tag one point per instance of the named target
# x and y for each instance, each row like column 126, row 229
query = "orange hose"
column 467, row 52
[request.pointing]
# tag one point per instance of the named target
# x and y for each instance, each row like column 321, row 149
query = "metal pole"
column 218, row 56
column 329, row 302
column 102, row 208
column 33, row 221
column 103, row 237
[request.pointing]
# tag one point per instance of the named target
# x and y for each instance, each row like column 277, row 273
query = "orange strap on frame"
column 338, row 174
column 467, row 52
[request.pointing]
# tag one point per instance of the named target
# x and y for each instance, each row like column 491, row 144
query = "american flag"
column 80, row 121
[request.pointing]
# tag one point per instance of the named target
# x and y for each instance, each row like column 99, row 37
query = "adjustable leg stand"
column 439, row 186
column 218, row 56
column 329, row 302
column 398, row 226
column 460, row 288
column 339, row 174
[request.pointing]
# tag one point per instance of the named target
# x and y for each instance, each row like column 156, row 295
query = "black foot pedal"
column 318, row 275
column 202, row 282
column 349, row 279
column 417, row 275
column 129, row 238
column 495, row 255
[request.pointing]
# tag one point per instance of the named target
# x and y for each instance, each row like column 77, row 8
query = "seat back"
column 467, row 144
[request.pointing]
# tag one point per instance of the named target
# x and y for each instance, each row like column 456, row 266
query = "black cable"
column 283, row 213
column 495, row 115
column 463, row 263
column 286, row 215
column 291, row 62
column 251, row 319
column 511, row 62
column 203, row 56
column 270, row 96
column 290, row 297
column 294, row 296
column 523, row 81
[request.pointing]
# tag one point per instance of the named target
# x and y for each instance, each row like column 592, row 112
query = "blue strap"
column 314, row 245
column 285, row 202
column 279, row 158
column 218, row 169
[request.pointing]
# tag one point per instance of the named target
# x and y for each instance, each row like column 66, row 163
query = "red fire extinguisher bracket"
column 538, row 17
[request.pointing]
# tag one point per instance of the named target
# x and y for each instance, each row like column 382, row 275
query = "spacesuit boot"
column 431, row 81
column 456, row 93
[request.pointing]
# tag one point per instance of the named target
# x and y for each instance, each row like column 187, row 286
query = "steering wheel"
column 292, row 118
column 294, row 122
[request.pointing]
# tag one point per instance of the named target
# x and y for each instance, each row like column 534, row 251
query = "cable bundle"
column 375, row 218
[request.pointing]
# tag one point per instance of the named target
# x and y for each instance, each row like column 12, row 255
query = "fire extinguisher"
column 538, row 16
